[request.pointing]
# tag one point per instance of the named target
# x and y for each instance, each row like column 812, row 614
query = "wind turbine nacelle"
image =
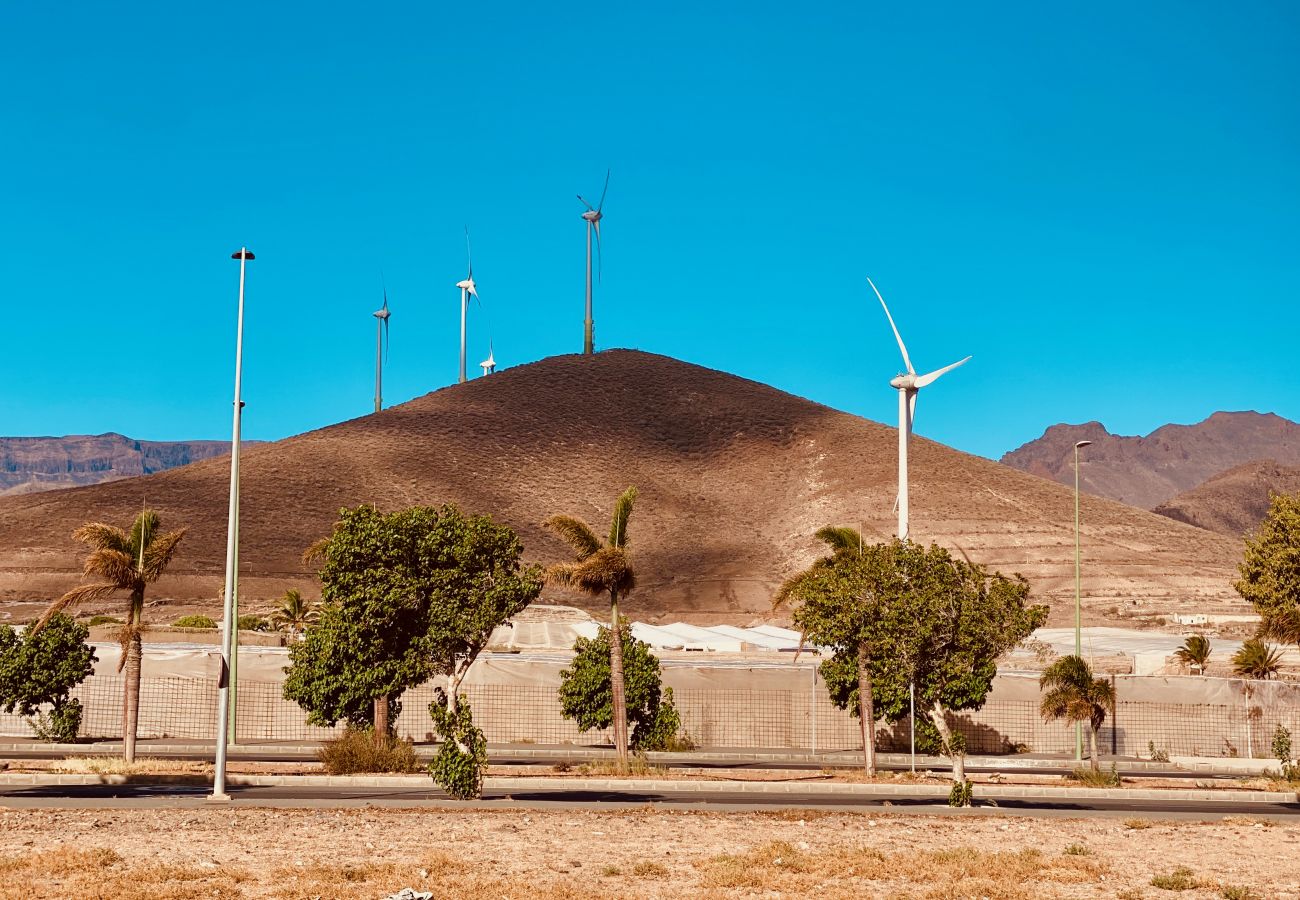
column 592, row 215
column 903, row 382
column 466, row 286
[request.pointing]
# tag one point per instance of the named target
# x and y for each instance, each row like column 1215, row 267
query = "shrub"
column 43, row 668
column 1238, row 892
column 1096, row 777
column 961, row 794
column 103, row 620
column 1077, row 850
column 355, row 751
column 1156, row 754
column 586, row 696
column 194, row 622
column 254, row 623
column 462, row 757
column 1180, row 879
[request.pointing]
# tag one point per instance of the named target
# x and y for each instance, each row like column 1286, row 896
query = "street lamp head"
column 1079, row 444
column 243, row 253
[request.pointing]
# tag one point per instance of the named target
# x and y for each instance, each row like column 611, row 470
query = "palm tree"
column 295, row 613
column 1195, row 652
column 123, row 562
column 1256, row 659
column 1076, row 696
column 602, row 568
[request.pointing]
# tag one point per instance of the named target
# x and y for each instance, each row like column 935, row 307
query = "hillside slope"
column 734, row 478
column 1147, row 471
column 1233, row 502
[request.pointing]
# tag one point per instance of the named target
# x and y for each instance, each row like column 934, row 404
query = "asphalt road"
column 194, row 796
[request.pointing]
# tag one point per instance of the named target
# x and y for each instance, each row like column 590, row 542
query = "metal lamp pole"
column 1078, row 631
column 228, row 621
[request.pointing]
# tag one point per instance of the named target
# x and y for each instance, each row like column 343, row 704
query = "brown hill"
column 30, row 464
column 1147, row 471
column 1233, row 502
column 734, row 478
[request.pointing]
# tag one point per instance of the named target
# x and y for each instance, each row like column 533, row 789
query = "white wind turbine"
column 908, row 385
column 467, row 289
column 592, row 217
column 381, row 336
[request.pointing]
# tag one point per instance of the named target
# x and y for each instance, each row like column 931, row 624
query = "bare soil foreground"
column 371, row 853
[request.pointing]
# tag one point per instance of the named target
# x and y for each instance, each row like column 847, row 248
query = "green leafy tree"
column 123, row 561
column 1195, row 652
column 1075, row 695
column 477, row 583
column 602, row 568
column 585, row 694
column 295, row 613
column 41, row 668
column 407, row 596
column 1256, row 659
column 900, row 615
column 1270, row 569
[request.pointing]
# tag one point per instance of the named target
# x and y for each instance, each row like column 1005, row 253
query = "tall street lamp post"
column 1078, row 630
column 229, row 623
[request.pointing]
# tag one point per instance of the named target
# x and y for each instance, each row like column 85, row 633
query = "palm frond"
column 315, row 552
column 103, row 537
column 82, row 594
column 563, row 574
column 159, row 552
column 605, row 571
column 576, row 533
column 143, row 529
column 111, row 565
column 1282, row 626
column 840, row 538
column 618, row 536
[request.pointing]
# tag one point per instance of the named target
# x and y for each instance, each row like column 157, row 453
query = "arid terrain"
column 370, row 853
column 1233, row 502
column 32, row 464
column 1149, row 470
column 734, row 478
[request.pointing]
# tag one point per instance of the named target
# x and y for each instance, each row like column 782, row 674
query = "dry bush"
column 355, row 752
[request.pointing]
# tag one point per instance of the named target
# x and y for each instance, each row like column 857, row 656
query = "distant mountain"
column 1233, row 502
column 1147, row 471
column 31, row 464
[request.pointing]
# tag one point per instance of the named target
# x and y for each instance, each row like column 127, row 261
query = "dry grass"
column 112, row 765
column 780, row 866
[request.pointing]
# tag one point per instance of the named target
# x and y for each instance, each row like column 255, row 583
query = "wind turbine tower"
column 592, row 217
column 467, row 289
column 908, row 385
column 381, row 333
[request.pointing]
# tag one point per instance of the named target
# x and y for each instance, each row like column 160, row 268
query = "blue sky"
column 1100, row 202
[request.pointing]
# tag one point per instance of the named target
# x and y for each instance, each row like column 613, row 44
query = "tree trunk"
column 866, row 710
column 1092, row 746
column 381, row 720
column 453, row 706
column 131, row 697
column 616, row 682
column 958, row 756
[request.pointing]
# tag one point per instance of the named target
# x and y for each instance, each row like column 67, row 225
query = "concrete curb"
column 658, row 786
column 829, row 759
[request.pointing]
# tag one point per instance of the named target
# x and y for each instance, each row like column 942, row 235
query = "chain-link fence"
column 805, row 719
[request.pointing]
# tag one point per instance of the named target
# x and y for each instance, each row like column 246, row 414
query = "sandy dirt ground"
column 371, row 853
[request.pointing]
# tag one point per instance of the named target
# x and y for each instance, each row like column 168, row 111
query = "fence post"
column 1114, row 717
column 813, row 698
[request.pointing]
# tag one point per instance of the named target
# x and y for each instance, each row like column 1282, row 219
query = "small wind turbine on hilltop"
column 467, row 289
column 381, row 338
column 908, row 385
column 593, row 215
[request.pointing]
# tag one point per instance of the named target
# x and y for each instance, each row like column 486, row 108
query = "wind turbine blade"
column 600, row 259
column 601, row 204
column 911, row 411
column 898, row 337
column 385, row 339
column 590, row 208
column 469, row 257
column 934, row 376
